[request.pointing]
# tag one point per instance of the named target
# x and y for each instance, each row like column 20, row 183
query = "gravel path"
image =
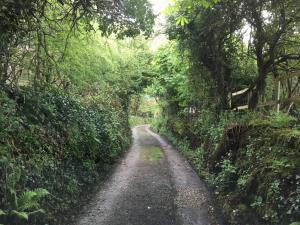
column 153, row 185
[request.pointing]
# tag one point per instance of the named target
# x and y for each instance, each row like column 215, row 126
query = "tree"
column 274, row 24
column 171, row 86
column 211, row 39
column 213, row 33
column 26, row 25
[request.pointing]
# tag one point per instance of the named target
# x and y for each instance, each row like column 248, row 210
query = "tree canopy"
column 27, row 26
column 214, row 33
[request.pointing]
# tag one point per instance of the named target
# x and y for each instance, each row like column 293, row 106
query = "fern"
column 20, row 215
column 26, row 204
column 29, row 199
column 41, row 192
column 36, row 212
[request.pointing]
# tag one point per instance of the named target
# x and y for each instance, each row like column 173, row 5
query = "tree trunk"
column 258, row 89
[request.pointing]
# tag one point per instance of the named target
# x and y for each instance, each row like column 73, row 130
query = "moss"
column 154, row 154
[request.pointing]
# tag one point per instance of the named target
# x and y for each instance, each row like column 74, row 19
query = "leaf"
column 21, row 215
column 2, row 213
column 29, row 199
column 295, row 223
column 182, row 21
column 14, row 197
column 13, row 178
column 41, row 192
column 97, row 140
column 37, row 211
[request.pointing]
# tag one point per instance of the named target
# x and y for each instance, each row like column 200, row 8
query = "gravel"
column 150, row 187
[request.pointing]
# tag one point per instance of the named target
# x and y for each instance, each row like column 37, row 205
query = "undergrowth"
column 52, row 149
column 251, row 161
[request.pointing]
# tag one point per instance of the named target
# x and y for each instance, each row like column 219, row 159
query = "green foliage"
column 241, row 174
column 65, row 91
column 172, row 81
column 137, row 120
column 26, row 205
column 57, row 33
column 213, row 33
column 226, row 179
column 18, row 206
column 51, row 142
column 262, row 173
column 249, row 157
column 93, row 64
column 243, row 181
column 62, row 144
column 136, row 18
column 258, row 202
column 276, row 120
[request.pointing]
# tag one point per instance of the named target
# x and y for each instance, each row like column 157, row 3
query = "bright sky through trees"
column 158, row 7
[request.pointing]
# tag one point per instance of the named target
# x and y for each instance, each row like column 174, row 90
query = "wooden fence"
column 240, row 101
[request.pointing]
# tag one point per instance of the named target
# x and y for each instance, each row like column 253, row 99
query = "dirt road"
column 153, row 185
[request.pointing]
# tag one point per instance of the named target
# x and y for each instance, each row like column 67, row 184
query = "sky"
column 158, row 7
column 160, row 37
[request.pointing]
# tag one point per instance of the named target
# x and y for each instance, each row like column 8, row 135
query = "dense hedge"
column 251, row 161
column 52, row 148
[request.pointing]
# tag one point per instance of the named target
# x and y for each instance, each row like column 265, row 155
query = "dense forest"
column 75, row 76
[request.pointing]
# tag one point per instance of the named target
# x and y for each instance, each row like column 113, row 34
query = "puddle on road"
column 153, row 154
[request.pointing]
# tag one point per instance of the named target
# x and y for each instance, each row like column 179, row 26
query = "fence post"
column 230, row 100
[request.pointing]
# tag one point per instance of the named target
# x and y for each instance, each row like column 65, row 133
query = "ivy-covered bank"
column 251, row 161
column 52, row 149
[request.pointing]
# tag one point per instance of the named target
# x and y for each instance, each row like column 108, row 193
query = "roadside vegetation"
column 75, row 76
column 143, row 108
column 68, row 70
column 245, row 144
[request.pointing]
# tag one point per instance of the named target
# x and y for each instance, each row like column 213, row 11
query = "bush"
column 137, row 120
column 275, row 120
column 227, row 178
column 58, row 145
column 257, row 175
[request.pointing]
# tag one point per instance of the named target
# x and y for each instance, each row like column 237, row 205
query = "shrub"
column 58, row 145
column 227, row 178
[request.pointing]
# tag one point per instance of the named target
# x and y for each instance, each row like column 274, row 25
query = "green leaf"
column 20, row 215
column 41, row 192
column 2, row 213
column 97, row 140
column 36, row 212
column 29, row 199
column 295, row 223
column 182, row 21
column 13, row 178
